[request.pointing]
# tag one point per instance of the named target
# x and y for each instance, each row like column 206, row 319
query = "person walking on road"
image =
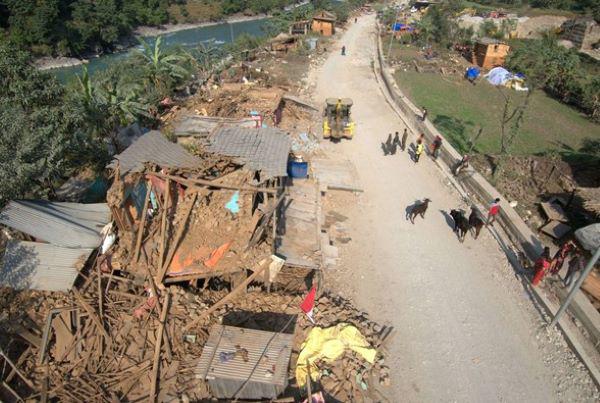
column 419, row 150
column 395, row 143
column 404, row 137
column 388, row 144
column 435, row 147
column 493, row 211
column 425, row 112
column 542, row 265
column 344, row 50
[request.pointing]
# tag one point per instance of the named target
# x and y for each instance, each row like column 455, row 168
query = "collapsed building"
column 187, row 282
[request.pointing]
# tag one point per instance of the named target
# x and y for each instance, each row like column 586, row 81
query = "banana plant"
column 161, row 65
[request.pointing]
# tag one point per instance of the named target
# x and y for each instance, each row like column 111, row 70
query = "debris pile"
column 190, row 246
column 97, row 343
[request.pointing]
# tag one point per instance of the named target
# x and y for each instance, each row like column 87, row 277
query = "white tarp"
column 498, row 76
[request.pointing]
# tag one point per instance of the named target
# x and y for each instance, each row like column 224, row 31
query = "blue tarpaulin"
column 401, row 27
column 472, row 73
column 233, row 203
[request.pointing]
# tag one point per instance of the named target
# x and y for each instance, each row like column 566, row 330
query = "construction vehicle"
column 337, row 122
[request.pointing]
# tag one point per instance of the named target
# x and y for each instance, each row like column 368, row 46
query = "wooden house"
column 489, row 53
column 323, row 22
column 300, row 27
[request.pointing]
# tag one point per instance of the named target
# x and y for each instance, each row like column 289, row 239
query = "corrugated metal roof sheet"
column 153, row 147
column 271, row 371
column 202, row 126
column 71, row 225
column 41, row 266
column 262, row 149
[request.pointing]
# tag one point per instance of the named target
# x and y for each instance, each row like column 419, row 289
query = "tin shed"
column 245, row 363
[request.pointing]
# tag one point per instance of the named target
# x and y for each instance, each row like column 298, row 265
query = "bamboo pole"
column 177, row 239
column 157, row 348
column 204, row 182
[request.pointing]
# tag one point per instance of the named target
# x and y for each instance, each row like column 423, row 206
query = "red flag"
column 308, row 304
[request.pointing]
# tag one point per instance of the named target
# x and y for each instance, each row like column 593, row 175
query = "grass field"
column 458, row 109
column 521, row 10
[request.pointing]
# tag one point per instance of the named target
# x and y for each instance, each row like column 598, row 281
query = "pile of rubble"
column 183, row 244
column 108, row 340
column 128, row 300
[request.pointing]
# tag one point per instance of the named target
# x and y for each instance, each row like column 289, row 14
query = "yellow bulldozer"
column 337, row 122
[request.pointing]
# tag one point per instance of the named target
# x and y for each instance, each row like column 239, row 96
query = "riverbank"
column 146, row 31
column 47, row 62
column 50, row 63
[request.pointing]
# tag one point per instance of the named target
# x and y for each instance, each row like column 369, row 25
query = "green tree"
column 206, row 58
column 41, row 140
column 547, row 65
column 163, row 68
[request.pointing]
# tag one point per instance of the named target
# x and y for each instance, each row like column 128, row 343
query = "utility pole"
column 392, row 35
column 576, row 286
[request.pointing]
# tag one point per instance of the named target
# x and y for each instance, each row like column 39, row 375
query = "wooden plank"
column 177, row 239
column 46, row 332
column 138, row 243
column 203, row 182
column 157, row 348
column 592, row 285
column 25, row 334
column 554, row 212
column 555, row 229
column 264, row 265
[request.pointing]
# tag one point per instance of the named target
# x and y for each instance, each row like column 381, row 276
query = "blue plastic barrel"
column 298, row 169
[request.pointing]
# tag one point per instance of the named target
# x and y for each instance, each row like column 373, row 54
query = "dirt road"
column 466, row 331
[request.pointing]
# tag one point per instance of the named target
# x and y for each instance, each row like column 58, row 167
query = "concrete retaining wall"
column 476, row 185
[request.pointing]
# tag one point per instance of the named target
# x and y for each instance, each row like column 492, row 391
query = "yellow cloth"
column 328, row 345
column 420, row 148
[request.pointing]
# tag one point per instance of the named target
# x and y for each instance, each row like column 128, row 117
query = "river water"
column 216, row 35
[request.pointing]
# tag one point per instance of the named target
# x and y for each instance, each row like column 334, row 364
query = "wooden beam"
column 157, row 349
column 25, row 334
column 138, row 243
column 176, row 240
column 163, row 224
column 93, row 316
column 229, row 296
column 200, row 275
column 100, row 302
column 20, row 362
column 204, row 182
column 14, row 367
column 155, row 291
